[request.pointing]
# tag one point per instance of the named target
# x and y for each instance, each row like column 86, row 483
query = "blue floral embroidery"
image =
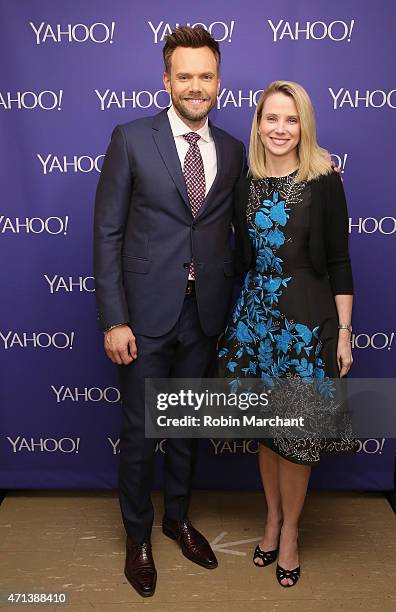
column 275, row 345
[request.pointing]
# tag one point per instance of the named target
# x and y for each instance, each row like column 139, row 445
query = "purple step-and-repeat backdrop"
column 70, row 72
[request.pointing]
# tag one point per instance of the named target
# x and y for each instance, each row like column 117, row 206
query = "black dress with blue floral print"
column 284, row 323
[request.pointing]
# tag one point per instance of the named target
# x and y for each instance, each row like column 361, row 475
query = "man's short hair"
column 184, row 36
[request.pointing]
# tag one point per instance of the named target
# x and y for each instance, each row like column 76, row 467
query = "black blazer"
column 328, row 234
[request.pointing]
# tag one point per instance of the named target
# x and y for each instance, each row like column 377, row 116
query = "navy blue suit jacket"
column 145, row 235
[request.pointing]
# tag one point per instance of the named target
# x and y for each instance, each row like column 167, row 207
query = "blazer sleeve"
column 336, row 233
column 111, row 213
column 243, row 249
column 244, row 166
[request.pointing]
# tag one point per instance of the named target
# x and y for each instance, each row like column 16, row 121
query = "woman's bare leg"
column 269, row 470
column 293, row 484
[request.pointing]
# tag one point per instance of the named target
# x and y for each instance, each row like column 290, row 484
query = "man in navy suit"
column 164, row 277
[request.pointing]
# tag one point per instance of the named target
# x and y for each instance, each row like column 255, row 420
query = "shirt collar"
column 179, row 128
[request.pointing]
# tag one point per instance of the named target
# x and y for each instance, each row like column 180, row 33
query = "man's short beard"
column 189, row 115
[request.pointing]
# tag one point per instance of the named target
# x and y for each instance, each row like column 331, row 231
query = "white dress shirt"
column 205, row 143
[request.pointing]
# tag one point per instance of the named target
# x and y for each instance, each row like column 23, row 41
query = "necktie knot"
column 192, row 138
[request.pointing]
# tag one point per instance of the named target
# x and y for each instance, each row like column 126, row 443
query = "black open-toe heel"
column 282, row 573
column 267, row 556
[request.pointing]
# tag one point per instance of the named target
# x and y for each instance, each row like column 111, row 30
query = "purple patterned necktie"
column 194, row 175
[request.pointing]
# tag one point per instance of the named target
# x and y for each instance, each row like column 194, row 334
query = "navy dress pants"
column 183, row 352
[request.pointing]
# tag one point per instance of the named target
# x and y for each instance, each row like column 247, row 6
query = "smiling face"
column 193, row 84
column 279, row 127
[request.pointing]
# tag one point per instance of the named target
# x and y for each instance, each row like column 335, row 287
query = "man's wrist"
column 107, row 329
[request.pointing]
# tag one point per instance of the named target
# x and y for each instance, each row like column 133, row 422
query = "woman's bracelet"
column 347, row 326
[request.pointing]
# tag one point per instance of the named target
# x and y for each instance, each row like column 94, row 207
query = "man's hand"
column 120, row 345
column 335, row 168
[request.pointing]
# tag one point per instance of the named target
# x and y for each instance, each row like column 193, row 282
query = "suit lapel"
column 165, row 142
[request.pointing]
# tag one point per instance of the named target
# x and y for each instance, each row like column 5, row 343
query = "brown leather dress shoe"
column 193, row 544
column 139, row 567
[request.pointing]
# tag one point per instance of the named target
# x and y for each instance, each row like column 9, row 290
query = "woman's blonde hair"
column 313, row 160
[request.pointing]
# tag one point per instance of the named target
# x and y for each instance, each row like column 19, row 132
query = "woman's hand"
column 344, row 352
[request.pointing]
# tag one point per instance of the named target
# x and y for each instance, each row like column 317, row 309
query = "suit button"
column 193, row 228
column 186, row 265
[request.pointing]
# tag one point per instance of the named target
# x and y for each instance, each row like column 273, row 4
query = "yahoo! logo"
column 371, row 446
column 58, row 340
column 115, row 445
column 371, row 225
column 377, row 341
column 44, row 445
column 238, row 98
column 75, row 163
column 34, row 225
column 243, row 446
column 160, row 446
column 46, row 100
column 69, row 283
column 79, row 32
column 340, row 160
column 220, row 30
column 366, row 99
column 134, row 99
column 336, row 31
column 86, row 394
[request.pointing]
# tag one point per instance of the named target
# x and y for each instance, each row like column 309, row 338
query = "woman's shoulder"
column 329, row 179
column 328, row 186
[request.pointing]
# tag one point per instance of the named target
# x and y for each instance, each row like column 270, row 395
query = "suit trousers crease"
column 183, row 352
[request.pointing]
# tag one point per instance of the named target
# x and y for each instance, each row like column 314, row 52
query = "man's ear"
column 166, row 81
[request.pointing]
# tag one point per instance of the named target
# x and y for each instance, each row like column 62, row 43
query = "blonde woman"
column 293, row 316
